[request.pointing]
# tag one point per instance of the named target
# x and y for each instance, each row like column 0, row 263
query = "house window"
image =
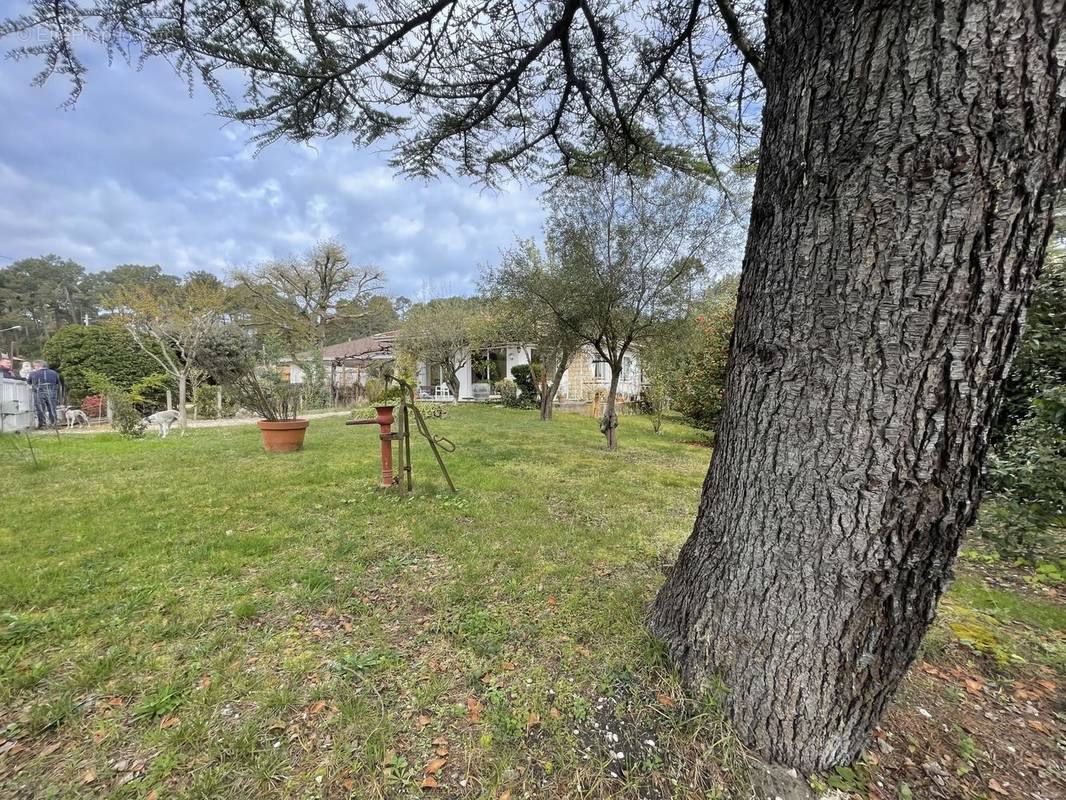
column 489, row 365
column 599, row 370
column 627, row 369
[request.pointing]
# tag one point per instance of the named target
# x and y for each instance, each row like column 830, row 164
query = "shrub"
column 149, row 394
column 526, row 382
column 374, row 390
column 699, row 386
column 508, row 392
column 125, row 416
column 106, row 349
column 1027, row 480
column 94, row 406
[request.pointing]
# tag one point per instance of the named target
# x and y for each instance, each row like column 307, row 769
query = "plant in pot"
column 230, row 360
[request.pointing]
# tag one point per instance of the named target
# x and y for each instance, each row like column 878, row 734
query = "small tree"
column 172, row 327
column 525, row 295
column 441, row 332
column 624, row 256
column 697, row 386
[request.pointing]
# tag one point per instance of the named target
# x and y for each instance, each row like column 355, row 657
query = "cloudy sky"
column 139, row 172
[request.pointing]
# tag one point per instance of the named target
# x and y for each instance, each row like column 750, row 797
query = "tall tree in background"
column 910, row 154
column 42, row 295
column 300, row 300
column 526, row 293
column 173, row 326
column 106, row 287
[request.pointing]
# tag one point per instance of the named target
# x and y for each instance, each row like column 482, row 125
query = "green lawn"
column 197, row 617
column 193, row 617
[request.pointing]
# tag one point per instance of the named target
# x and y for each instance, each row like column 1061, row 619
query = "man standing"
column 5, row 368
column 45, row 383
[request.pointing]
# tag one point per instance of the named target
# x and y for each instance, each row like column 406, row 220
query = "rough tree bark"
column 910, row 156
column 548, row 391
column 609, row 420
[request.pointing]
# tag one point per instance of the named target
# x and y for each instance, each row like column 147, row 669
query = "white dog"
column 162, row 420
column 74, row 416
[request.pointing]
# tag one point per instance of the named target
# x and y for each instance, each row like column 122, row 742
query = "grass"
column 194, row 617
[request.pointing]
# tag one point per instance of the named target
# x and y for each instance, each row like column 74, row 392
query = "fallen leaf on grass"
column 317, row 708
column 473, row 705
column 551, row 600
column 1040, row 726
column 169, row 721
column 665, row 699
column 152, row 795
column 88, row 776
column 996, row 787
column 508, row 666
column 47, row 751
column 972, row 686
column 506, row 795
column 1049, row 685
column 435, row 765
column 555, row 713
column 99, row 736
column 533, row 719
column 442, row 751
column 422, row 721
column 429, row 782
column 205, row 681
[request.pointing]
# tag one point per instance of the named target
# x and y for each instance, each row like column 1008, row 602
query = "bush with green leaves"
column 104, row 348
column 126, row 417
column 508, row 391
column 1025, row 512
column 228, row 357
column 698, row 388
column 526, row 384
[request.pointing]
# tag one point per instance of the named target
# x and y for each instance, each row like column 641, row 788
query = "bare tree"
column 909, row 158
column 299, row 300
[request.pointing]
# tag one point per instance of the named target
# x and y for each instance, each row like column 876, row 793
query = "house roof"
column 368, row 347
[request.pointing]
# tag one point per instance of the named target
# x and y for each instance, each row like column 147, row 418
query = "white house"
column 349, row 364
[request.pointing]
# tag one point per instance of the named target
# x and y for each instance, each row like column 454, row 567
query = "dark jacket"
column 45, row 378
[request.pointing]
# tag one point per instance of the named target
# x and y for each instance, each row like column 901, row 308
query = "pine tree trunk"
column 908, row 167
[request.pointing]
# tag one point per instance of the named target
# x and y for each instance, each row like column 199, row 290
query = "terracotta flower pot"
column 284, row 435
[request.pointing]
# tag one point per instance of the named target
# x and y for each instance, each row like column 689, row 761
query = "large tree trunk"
column 907, row 172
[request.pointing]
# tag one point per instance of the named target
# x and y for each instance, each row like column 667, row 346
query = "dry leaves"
column 555, row 713
column 665, row 700
column 474, row 707
column 169, row 721
column 88, row 776
column 434, row 766
column 997, row 787
column 429, row 782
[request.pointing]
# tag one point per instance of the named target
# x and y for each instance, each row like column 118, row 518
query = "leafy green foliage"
column 1027, row 480
column 125, row 415
column 698, row 386
column 528, row 391
column 106, row 349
